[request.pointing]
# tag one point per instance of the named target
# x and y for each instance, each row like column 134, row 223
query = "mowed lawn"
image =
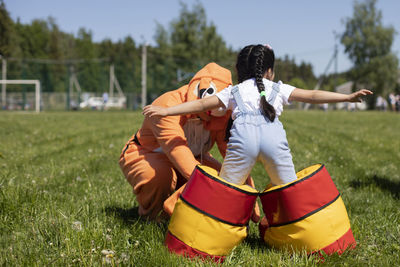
column 64, row 200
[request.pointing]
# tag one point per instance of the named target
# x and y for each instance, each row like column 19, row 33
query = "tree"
column 287, row 70
column 7, row 33
column 89, row 72
column 368, row 44
column 190, row 43
column 128, row 65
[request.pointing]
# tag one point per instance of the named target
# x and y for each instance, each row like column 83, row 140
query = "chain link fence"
column 74, row 101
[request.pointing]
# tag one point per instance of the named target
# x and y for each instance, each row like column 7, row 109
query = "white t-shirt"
column 251, row 97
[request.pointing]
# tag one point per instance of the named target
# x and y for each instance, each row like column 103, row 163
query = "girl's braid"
column 259, row 69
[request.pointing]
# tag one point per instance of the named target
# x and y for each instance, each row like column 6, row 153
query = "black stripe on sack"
column 308, row 214
column 296, row 182
column 209, row 215
column 226, row 184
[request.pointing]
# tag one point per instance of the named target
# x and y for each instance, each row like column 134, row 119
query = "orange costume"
column 163, row 153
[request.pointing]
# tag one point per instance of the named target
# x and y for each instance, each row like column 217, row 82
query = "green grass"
column 63, row 198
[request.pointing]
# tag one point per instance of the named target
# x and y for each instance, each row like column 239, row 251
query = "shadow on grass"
column 381, row 182
column 131, row 216
column 256, row 243
column 128, row 216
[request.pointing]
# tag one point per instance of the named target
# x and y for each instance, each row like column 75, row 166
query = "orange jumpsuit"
column 158, row 159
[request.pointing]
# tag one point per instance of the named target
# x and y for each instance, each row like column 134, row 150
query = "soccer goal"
column 34, row 82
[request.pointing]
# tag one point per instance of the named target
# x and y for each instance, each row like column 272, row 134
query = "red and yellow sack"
column 306, row 214
column 210, row 217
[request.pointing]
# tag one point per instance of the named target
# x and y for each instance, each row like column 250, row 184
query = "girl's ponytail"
column 267, row 108
column 261, row 65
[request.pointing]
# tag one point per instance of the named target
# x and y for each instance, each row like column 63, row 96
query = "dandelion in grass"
column 108, row 252
column 90, row 150
column 108, row 255
column 77, row 226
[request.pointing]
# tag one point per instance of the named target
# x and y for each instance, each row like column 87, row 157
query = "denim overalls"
column 254, row 137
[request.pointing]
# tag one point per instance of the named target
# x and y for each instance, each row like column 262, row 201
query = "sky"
column 302, row 29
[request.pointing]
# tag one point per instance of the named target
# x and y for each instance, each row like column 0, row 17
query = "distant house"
column 346, row 88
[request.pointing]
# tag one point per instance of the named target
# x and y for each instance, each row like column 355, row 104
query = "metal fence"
column 63, row 101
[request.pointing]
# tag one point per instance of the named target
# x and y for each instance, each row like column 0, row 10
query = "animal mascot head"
column 205, row 83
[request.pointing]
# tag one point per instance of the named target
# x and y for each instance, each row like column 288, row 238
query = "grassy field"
column 64, row 200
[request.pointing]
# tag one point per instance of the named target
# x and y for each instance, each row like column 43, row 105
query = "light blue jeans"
column 254, row 137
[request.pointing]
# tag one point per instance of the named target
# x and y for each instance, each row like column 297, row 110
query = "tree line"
column 40, row 50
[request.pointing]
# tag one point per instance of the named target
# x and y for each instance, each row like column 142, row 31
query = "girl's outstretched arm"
column 191, row 107
column 320, row 97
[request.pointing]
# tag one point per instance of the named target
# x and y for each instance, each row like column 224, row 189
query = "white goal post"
column 37, row 90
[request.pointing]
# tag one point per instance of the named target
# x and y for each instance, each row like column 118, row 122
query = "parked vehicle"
column 92, row 103
column 98, row 103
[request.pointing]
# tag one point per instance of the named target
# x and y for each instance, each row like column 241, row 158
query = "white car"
column 116, row 102
column 93, row 103
column 98, row 103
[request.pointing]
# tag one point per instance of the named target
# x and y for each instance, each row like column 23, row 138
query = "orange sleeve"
column 172, row 140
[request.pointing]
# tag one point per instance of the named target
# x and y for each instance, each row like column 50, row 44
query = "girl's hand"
column 152, row 110
column 356, row 96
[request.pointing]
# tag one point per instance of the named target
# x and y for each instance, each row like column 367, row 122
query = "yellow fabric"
column 214, row 173
column 314, row 232
column 204, row 233
column 300, row 175
column 307, row 171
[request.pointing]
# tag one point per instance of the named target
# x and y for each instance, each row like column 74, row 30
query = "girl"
column 256, row 103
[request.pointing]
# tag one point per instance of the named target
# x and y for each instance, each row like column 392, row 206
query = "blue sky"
column 303, row 29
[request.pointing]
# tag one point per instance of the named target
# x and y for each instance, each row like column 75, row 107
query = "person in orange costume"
column 162, row 154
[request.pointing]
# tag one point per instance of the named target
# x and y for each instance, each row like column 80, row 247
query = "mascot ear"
column 196, row 90
column 210, row 91
column 206, row 92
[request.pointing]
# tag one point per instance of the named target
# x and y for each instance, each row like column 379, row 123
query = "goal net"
column 21, row 100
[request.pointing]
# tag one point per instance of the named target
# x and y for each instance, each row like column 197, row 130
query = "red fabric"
column 299, row 199
column 178, row 247
column 262, row 227
column 218, row 199
column 347, row 241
